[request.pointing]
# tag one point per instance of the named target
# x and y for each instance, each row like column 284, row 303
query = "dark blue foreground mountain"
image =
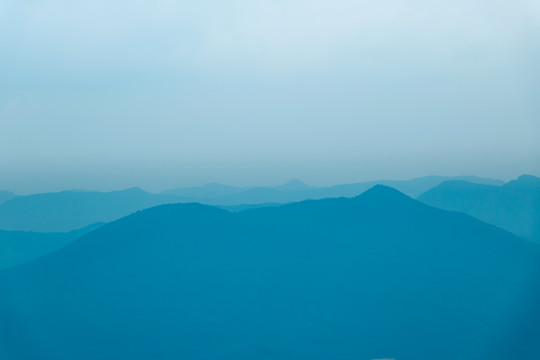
column 376, row 276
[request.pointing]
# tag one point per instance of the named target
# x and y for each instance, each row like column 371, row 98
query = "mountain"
column 208, row 191
column 413, row 187
column 514, row 206
column 5, row 196
column 376, row 276
column 242, row 207
column 293, row 185
column 18, row 247
column 295, row 190
column 70, row 210
column 231, row 195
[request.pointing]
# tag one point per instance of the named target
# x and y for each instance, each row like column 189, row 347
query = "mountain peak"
column 528, row 179
column 524, row 181
column 293, row 185
column 133, row 190
column 383, row 192
column 158, row 267
column 295, row 181
column 384, row 197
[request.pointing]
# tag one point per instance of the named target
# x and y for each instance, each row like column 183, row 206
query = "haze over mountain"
column 18, row 247
column 112, row 93
column 376, row 276
column 514, row 206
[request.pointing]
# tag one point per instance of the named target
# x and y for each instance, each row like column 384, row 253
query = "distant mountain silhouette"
column 18, row 247
column 515, row 206
column 208, row 191
column 413, row 187
column 5, row 196
column 295, row 190
column 216, row 191
column 376, row 276
column 69, row 210
column 293, row 185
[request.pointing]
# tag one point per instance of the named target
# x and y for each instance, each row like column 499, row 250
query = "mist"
column 110, row 94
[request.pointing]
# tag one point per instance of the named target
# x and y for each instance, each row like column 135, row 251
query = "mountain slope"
column 69, row 210
column 18, row 247
column 515, row 206
column 5, row 196
column 376, row 276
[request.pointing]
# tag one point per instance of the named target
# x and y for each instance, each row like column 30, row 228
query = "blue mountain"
column 412, row 187
column 5, row 196
column 208, row 191
column 376, row 276
column 18, row 247
column 70, row 210
column 295, row 190
column 514, row 206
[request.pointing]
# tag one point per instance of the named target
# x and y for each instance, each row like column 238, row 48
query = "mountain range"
column 514, row 206
column 295, row 190
column 376, row 276
column 70, row 210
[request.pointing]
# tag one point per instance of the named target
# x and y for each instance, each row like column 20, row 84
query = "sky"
column 159, row 94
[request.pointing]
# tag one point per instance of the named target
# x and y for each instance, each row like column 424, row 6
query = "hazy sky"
column 111, row 94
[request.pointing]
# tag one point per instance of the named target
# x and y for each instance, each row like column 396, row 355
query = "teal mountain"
column 18, row 247
column 514, row 206
column 5, row 196
column 71, row 210
column 376, row 276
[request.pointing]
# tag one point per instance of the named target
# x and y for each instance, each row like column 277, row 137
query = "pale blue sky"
column 158, row 94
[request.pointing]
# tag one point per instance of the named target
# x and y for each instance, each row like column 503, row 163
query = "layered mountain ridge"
column 70, row 210
column 376, row 276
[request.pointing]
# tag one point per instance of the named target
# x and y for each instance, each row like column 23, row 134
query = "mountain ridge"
column 515, row 206
column 412, row 187
column 379, row 275
column 5, row 196
column 69, row 210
